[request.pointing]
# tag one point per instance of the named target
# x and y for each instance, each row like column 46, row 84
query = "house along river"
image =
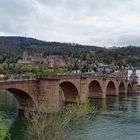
column 118, row 119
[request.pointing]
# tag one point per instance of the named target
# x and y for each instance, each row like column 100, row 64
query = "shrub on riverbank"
column 3, row 130
column 44, row 126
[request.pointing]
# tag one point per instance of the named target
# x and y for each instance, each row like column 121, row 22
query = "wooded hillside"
column 12, row 48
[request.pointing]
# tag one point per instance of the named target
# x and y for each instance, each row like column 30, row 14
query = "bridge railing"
column 15, row 77
column 75, row 76
column 118, row 78
column 58, row 76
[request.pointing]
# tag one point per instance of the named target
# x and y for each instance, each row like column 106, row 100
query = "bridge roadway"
column 49, row 91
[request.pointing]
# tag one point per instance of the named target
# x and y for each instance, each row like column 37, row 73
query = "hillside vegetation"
column 12, row 48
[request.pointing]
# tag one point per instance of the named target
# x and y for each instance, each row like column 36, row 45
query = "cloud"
column 95, row 22
column 14, row 16
column 128, row 40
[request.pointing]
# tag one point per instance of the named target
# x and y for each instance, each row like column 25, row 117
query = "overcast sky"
column 93, row 22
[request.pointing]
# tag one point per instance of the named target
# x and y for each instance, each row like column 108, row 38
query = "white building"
column 137, row 71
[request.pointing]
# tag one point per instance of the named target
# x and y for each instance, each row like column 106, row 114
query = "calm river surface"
column 119, row 119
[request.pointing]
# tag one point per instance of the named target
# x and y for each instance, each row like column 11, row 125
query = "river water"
column 118, row 119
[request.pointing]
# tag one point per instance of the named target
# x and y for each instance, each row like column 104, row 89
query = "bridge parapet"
column 56, row 76
column 19, row 76
column 64, row 76
column 75, row 76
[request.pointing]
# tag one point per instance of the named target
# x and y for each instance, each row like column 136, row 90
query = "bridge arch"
column 70, row 91
column 95, row 89
column 24, row 100
column 111, row 88
column 129, row 88
column 122, row 88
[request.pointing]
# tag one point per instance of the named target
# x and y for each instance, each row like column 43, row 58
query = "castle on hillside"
column 50, row 61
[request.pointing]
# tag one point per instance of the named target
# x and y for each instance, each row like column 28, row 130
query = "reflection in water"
column 17, row 129
column 118, row 119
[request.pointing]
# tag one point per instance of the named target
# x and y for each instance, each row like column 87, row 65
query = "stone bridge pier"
column 49, row 97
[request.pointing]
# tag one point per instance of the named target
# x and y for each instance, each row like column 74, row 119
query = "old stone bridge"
column 48, row 92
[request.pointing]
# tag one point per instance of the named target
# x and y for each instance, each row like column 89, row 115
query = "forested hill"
column 11, row 49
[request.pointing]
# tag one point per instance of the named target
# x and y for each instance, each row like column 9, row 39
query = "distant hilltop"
column 24, row 42
column 12, row 48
